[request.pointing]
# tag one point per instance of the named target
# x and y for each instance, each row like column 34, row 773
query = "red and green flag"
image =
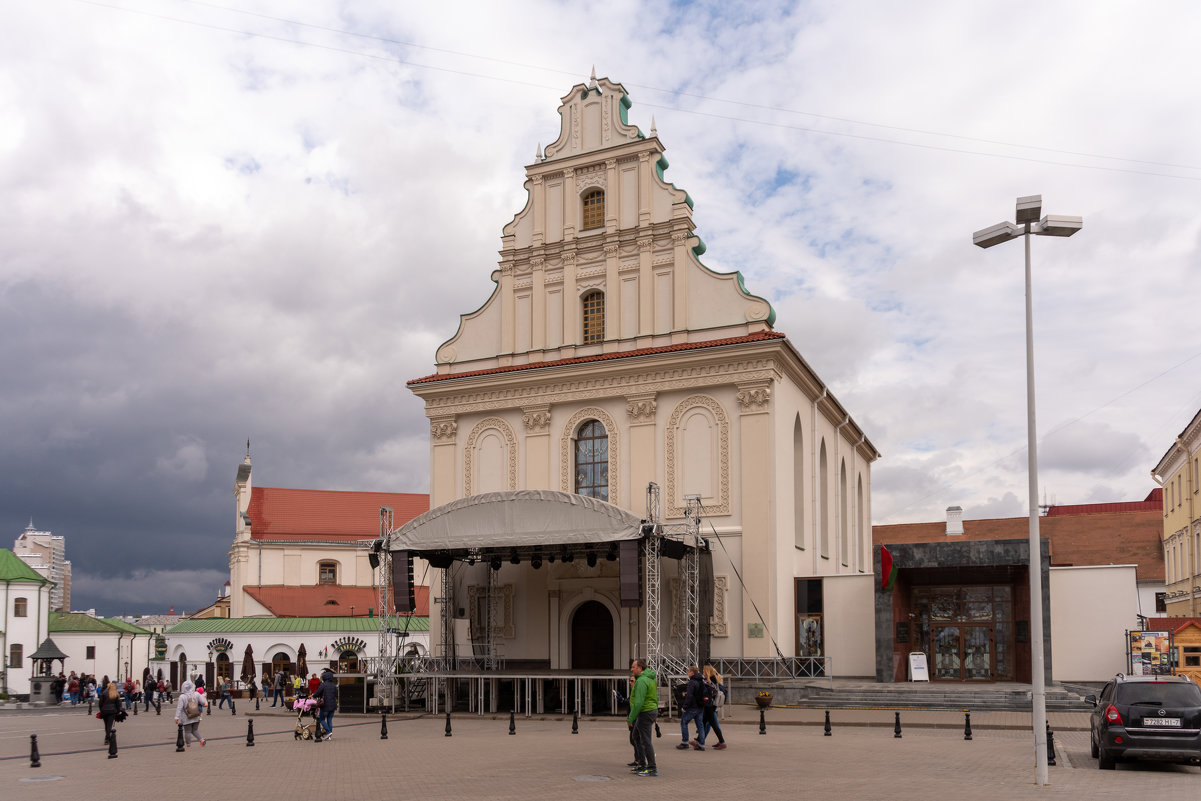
column 888, row 571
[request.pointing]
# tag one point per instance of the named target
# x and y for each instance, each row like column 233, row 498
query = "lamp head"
column 1059, row 225
column 996, row 234
column 1029, row 209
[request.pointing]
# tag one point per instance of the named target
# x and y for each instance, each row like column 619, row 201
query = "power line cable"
column 804, row 129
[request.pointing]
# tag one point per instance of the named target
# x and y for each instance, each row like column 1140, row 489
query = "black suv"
column 1147, row 717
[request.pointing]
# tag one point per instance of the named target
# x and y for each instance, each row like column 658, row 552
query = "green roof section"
column 13, row 568
column 64, row 622
column 250, row 625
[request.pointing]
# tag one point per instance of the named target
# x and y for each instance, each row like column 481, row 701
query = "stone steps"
column 909, row 697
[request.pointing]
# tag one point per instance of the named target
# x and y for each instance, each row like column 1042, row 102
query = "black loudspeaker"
column 402, row 582
column 630, row 573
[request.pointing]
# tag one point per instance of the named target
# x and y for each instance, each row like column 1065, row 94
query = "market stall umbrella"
column 248, row 664
column 302, row 665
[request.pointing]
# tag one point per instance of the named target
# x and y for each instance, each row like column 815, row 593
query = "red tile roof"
column 1152, row 503
column 1172, row 624
column 327, row 600
column 760, row 336
column 299, row 514
column 1105, row 538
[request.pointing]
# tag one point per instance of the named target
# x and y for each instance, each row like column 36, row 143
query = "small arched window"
column 592, row 461
column 327, row 573
column 20, row 607
column 593, row 213
column 594, row 317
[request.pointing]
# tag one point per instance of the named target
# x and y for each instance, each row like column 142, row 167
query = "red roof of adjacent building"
column 759, row 336
column 1097, row 538
column 330, row 515
column 1172, row 624
column 1152, row 503
column 327, row 600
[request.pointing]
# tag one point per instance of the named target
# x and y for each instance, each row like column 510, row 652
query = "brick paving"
column 861, row 760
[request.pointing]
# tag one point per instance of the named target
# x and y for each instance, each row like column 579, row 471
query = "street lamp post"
column 1028, row 222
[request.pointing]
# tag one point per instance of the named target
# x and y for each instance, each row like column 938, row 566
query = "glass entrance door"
column 948, row 653
column 963, row 653
column 977, row 653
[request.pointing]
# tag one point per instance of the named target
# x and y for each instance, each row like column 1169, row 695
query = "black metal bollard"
column 512, row 722
column 112, row 745
column 35, row 760
column 967, row 725
column 233, row 709
column 1050, row 746
column 256, row 703
column 89, row 707
column 383, row 726
column 575, row 721
column 209, row 707
column 250, row 733
column 896, row 729
column 158, row 708
column 657, row 732
column 179, row 740
column 135, row 710
column 827, row 729
column 448, row 723
column 762, row 721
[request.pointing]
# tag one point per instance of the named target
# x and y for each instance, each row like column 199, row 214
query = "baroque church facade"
column 609, row 358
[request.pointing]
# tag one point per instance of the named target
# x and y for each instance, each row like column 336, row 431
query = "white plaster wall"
column 28, row 631
column 850, row 624
column 1091, row 610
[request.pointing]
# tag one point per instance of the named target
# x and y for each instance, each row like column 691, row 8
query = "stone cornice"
column 505, row 393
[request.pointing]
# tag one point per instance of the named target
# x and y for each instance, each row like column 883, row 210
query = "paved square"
column 861, row 760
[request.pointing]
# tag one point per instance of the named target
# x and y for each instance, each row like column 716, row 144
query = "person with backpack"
column 188, row 711
column 644, row 709
column 714, row 699
column 693, row 708
column 128, row 690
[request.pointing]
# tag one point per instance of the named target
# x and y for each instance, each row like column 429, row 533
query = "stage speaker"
column 630, row 573
column 402, row 582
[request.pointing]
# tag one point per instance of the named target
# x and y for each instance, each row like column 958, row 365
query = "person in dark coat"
column 110, row 708
column 327, row 695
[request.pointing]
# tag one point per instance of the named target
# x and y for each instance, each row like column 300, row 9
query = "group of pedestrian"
column 701, row 701
column 704, row 695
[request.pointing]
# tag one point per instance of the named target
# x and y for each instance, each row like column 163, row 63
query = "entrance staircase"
column 844, row 695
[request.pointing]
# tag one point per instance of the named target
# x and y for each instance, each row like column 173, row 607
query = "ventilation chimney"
column 954, row 521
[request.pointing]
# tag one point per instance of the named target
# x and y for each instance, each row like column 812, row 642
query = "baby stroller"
column 306, row 718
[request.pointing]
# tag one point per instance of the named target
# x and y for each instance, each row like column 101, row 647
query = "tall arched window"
column 798, row 485
column 594, row 317
column 593, row 213
column 861, row 555
column 823, row 498
column 844, row 523
column 592, row 461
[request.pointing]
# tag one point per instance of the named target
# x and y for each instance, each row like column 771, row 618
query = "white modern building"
column 46, row 553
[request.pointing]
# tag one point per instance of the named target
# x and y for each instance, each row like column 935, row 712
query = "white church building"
column 609, row 358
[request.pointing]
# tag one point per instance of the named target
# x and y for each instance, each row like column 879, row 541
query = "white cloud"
column 231, row 235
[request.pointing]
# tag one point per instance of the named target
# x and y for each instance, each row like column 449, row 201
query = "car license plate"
column 1162, row 722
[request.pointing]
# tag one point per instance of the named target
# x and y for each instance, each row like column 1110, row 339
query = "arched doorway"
column 592, row 637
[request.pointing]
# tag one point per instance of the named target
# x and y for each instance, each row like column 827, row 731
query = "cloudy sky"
column 258, row 219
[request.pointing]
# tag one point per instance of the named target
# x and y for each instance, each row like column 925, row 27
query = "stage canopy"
column 520, row 519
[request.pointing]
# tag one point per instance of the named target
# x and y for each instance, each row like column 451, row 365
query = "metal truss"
column 388, row 622
column 663, row 661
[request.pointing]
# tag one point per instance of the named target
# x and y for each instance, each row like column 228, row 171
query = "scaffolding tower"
column 388, row 622
column 686, row 534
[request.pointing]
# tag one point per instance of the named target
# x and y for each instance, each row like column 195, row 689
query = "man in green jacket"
column 644, row 709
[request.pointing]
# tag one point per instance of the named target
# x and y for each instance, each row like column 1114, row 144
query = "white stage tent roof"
column 516, row 519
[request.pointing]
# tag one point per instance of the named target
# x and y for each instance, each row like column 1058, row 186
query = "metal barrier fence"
column 790, row 667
